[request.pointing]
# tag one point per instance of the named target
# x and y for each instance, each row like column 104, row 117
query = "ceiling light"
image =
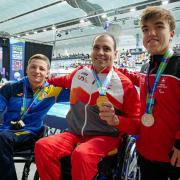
column 82, row 21
column 53, row 27
column 165, row 2
column 104, row 16
column 133, row 9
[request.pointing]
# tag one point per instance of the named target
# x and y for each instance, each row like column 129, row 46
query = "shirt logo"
column 162, row 85
column 82, row 78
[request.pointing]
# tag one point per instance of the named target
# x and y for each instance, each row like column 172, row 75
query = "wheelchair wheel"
column 130, row 170
column 66, row 169
column 36, row 175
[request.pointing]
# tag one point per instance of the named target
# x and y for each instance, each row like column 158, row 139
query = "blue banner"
column 17, row 53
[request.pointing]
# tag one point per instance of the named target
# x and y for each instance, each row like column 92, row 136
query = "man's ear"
column 26, row 69
column 172, row 35
column 116, row 54
column 48, row 73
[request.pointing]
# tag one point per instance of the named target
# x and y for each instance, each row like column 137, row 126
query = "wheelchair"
column 26, row 155
column 111, row 167
column 123, row 165
column 130, row 169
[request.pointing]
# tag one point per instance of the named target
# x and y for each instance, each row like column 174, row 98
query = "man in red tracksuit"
column 159, row 81
column 92, row 87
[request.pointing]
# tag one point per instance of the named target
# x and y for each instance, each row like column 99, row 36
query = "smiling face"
column 158, row 27
column 156, row 36
column 103, row 52
column 37, row 72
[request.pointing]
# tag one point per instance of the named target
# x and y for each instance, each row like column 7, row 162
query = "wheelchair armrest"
column 45, row 131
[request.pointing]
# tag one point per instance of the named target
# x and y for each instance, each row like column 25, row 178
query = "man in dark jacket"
column 25, row 103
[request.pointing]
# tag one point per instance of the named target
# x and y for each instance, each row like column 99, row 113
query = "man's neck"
column 161, row 53
column 36, row 86
column 99, row 70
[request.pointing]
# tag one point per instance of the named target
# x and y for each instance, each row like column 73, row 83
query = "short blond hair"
column 41, row 57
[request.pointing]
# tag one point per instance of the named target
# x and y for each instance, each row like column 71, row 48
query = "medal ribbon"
column 103, row 87
column 150, row 95
column 24, row 108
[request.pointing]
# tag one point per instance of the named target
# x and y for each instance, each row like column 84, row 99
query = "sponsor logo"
column 82, row 77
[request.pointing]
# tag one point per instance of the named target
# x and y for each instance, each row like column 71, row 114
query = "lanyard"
column 103, row 87
column 150, row 93
column 24, row 108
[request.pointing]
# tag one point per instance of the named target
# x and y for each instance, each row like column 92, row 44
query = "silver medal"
column 147, row 120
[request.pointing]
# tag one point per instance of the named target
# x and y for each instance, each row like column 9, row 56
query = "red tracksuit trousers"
column 84, row 158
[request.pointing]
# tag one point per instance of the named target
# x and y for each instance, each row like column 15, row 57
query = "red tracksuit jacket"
column 156, row 142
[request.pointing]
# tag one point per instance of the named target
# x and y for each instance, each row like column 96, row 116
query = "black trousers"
column 10, row 142
column 153, row 170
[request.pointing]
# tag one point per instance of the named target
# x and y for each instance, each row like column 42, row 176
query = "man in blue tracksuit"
column 25, row 104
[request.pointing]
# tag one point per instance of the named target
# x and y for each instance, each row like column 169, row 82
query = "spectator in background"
column 1, row 77
column 17, row 76
column 1, row 80
column 26, row 103
column 92, row 87
column 159, row 135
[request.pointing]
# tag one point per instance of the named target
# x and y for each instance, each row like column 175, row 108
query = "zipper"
column 85, row 116
column 85, row 109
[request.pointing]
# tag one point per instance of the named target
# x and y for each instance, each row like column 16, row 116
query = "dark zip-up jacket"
column 11, row 100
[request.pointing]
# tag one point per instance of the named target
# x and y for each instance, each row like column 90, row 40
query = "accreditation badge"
column 147, row 120
column 100, row 100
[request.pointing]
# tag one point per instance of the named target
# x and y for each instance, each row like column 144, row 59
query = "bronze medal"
column 100, row 100
column 147, row 120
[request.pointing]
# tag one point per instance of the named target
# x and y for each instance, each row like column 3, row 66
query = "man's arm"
column 63, row 81
column 60, row 81
column 133, row 76
column 129, row 121
column 64, row 95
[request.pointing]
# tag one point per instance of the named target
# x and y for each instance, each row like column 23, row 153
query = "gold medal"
column 100, row 100
column 147, row 120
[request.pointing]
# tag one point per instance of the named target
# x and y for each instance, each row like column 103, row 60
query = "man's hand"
column 107, row 113
column 15, row 125
column 175, row 159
